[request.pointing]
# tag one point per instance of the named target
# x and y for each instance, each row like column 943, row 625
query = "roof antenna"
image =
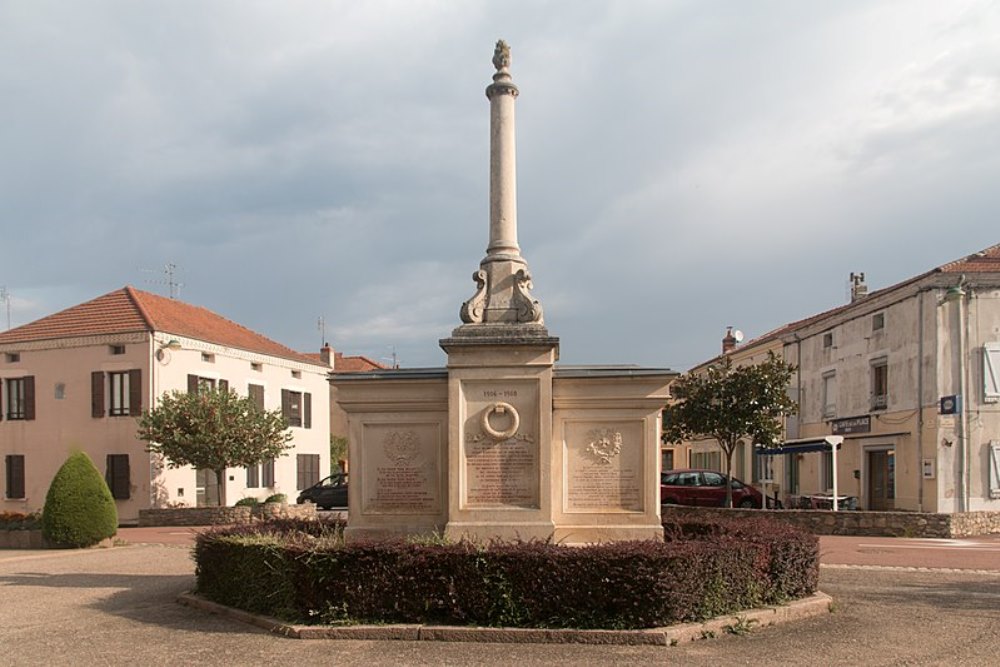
column 6, row 298
column 173, row 286
column 321, row 325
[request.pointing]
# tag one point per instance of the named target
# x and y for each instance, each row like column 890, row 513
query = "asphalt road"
column 116, row 607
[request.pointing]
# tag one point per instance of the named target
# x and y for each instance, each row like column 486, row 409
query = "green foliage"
column 304, row 572
column 79, row 510
column 276, row 498
column 214, row 430
column 247, row 502
column 730, row 403
column 20, row 521
column 338, row 451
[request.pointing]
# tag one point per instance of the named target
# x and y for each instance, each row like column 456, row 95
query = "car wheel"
column 747, row 504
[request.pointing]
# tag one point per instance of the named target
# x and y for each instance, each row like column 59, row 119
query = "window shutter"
column 192, row 384
column 991, row 373
column 29, row 397
column 118, row 477
column 994, row 468
column 223, row 385
column 97, row 394
column 267, row 473
column 286, row 404
column 3, row 408
column 256, row 393
column 15, row 476
column 306, row 410
column 135, row 392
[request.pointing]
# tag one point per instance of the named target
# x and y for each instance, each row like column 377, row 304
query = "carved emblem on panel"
column 605, row 444
column 401, row 447
column 492, row 426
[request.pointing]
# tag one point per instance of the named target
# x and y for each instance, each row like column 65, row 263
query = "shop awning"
column 803, row 445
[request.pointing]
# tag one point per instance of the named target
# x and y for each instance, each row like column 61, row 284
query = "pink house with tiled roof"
column 909, row 375
column 78, row 379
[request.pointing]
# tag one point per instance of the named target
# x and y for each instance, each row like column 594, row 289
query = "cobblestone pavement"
column 116, row 607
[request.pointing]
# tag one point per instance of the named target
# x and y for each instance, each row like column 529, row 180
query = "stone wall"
column 885, row 524
column 22, row 539
column 211, row 516
column 194, row 516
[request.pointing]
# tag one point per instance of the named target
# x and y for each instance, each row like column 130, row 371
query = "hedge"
column 304, row 572
column 79, row 510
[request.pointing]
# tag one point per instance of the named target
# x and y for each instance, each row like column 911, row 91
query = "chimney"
column 858, row 288
column 326, row 354
column 729, row 341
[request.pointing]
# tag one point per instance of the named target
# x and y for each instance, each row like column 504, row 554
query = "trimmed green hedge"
column 79, row 510
column 302, row 571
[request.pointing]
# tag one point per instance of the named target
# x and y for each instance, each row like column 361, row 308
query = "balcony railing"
column 879, row 402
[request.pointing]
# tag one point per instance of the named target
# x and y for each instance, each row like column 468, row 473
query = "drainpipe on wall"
column 920, row 399
column 957, row 295
column 963, row 310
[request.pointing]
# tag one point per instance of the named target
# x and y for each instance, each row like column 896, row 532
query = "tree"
column 338, row 451
column 79, row 510
column 730, row 404
column 213, row 430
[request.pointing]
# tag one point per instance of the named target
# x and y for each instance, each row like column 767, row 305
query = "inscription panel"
column 500, row 444
column 604, row 467
column 401, row 469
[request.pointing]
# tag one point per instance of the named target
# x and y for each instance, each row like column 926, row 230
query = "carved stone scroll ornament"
column 605, row 444
column 472, row 310
column 528, row 308
column 500, row 408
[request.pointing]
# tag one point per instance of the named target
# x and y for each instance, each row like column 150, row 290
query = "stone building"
column 910, row 376
column 79, row 378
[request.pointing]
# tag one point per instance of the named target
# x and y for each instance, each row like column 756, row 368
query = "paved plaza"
column 117, row 607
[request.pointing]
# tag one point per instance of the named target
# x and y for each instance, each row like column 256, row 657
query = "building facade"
column 78, row 379
column 909, row 375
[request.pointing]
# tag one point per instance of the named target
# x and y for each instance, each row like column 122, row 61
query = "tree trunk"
column 220, row 477
column 729, row 475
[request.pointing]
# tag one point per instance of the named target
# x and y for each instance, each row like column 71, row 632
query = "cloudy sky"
column 682, row 165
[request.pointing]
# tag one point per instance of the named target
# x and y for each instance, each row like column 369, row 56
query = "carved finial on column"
column 501, row 56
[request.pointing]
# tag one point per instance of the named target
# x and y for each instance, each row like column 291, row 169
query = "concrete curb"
column 814, row 605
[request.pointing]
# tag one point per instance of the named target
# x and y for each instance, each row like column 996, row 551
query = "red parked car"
column 705, row 488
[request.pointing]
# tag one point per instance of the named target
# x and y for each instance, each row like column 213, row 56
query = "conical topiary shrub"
column 79, row 510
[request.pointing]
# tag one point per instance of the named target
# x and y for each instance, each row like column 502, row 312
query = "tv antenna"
column 394, row 358
column 321, row 325
column 169, row 279
column 6, row 298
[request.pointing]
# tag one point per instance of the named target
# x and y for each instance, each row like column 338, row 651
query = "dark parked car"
column 328, row 493
column 706, row 488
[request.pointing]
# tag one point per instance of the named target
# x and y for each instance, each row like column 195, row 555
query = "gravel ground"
column 116, row 607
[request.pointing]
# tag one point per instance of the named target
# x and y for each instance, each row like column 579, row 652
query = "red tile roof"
column 984, row 261
column 130, row 310
column 342, row 364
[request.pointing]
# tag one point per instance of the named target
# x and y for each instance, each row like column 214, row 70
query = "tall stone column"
column 503, row 279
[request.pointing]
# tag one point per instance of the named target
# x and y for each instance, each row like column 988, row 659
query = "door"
column 881, row 479
column 207, row 488
column 713, row 491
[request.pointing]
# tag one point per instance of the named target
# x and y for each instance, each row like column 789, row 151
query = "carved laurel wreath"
column 605, row 444
column 401, row 447
column 500, row 408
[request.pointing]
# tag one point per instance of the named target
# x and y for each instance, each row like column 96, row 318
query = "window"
column 307, row 470
column 119, row 394
column 60, row 391
column 254, row 366
column 296, row 374
column 196, row 383
column 880, row 384
column 706, row 460
column 117, row 476
column 829, row 394
column 122, row 396
column 828, row 340
column 714, row 479
column 13, row 357
column 878, row 321
column 14, row 469
column 994, row 468
column 826, row 470
column 116, row 349
column 296, row 408
column 763, row 469
column 19, row 398
column 209, row 358
column 267, row 473
column 667, row 459
column 253, row 477
column 792, row 474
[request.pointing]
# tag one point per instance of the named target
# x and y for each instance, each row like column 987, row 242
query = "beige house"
column 79, row 378
column 909, row 375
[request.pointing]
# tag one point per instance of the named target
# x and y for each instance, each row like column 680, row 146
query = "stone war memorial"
column 503, row 443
